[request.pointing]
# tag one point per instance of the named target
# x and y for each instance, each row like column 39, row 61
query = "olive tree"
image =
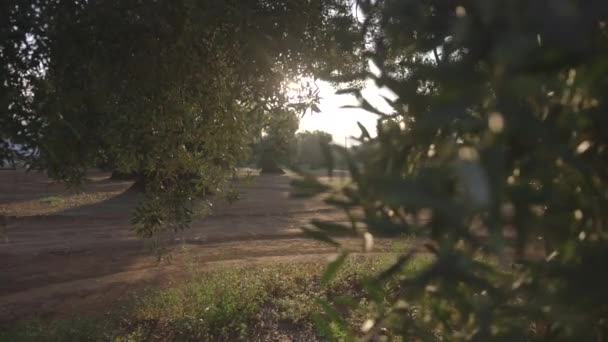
column 170, row 91
column 493, row 160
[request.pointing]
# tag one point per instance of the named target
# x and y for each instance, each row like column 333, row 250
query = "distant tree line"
column 300, row 151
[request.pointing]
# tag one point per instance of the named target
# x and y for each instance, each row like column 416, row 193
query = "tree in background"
column 275, row 144
column 494, row 158
column 309, row 149
column 171, row 91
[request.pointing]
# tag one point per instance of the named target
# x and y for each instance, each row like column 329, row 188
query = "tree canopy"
column 171, row 90
column 310, row 149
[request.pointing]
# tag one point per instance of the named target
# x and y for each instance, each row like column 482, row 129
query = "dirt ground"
column 64, row 252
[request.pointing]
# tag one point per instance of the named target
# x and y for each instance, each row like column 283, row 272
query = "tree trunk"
column 139, row 179
column 268, row 163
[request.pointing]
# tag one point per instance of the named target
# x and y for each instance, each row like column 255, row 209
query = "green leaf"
column 333, row 267
column 347, row 91
column 330, row 311
column 365, row 105
column 321, row 236
column 338, row 203
column 364, row 132
column 329, row 226
column 308, row 186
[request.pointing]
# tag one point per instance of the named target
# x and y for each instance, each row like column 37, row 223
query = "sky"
column 340, row 122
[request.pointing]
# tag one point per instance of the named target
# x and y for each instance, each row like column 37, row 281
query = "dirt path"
column 65, row 252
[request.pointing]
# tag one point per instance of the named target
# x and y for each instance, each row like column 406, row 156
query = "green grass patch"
column 54, row 201
column 253, row 303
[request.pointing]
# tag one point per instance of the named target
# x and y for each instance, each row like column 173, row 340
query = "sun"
column 333, row 117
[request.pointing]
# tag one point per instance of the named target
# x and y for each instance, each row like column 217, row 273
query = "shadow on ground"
column 84, row 258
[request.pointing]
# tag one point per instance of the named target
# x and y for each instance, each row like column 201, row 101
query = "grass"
column 255, row 303
column 55, row 204
column 54, row 201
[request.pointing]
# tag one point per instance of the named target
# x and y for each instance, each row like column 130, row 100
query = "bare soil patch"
column 66, row 251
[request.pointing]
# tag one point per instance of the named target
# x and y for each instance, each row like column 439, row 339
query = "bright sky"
column 340, row 122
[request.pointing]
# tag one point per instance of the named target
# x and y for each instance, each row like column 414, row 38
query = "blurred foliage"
column 494, row 158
